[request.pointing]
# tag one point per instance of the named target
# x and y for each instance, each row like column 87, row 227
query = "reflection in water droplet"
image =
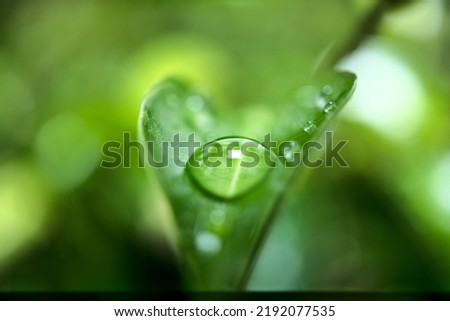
column 234, row 154
column 195, row 103
column 217, row 217
column 330, row 106
column 208, row 243
column 310, row 127
column 327, row 90
column 230, row 167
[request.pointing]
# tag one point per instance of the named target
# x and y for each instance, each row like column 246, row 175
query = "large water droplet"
column 329, row 107
column 230, row 167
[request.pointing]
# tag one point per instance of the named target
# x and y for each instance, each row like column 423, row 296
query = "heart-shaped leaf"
column 223, row 187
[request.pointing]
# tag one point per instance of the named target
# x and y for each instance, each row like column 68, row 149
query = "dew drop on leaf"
column 329, row 107
column 327, row 90
column 208, row 242
column 288, row 151
column 230, row 167
column 310, row 127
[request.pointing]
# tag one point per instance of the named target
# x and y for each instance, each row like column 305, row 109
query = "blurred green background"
column 73, row 73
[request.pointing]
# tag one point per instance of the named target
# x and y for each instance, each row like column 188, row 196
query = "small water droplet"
column 195, row 103
column 310, row 127
column 327, row 90
column 329, row 107
column 217, row 217
column 230, row 167
column 288, row 151
column 208, row 243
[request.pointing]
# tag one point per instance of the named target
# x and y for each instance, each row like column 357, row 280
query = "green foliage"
column 72, row 75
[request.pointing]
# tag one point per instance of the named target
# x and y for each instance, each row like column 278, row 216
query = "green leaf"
column 223, row 212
